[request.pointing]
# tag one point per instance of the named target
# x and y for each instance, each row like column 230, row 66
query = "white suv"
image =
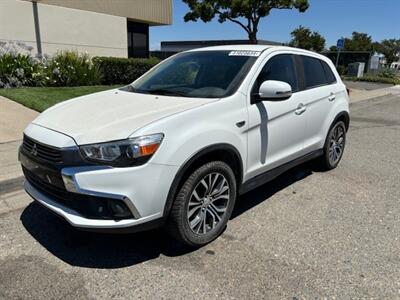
column 177, row 146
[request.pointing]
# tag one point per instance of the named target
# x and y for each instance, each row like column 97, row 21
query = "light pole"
column 37, row 28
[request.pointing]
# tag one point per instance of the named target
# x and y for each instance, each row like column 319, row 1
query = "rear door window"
column 314, row 74
column 330, row 78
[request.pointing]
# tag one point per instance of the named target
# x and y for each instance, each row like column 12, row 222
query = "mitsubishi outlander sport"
column 177, row 146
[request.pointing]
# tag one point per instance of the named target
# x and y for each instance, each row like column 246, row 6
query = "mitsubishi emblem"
column 34, row 150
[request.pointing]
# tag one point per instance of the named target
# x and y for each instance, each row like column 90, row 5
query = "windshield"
column 203, row 74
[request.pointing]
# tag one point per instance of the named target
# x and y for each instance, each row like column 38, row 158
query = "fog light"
column 120, row 210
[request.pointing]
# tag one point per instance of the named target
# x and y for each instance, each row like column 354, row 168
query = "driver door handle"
column 300, row 109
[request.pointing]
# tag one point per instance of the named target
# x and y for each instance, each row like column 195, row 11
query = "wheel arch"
column 223, row 152
column 342, row 116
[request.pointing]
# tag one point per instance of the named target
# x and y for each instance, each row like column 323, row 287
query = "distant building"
column 100, row 27
column 348, row 57
column 179, row 46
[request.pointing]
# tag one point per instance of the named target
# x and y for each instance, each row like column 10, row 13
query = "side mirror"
column 273, row 90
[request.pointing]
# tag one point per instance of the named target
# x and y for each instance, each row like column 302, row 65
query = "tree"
column 303, row 37
column 246, row 13
column 358, row 42
column 390, row 48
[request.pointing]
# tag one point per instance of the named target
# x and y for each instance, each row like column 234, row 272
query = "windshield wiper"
column 166, row 92
column 129, row 88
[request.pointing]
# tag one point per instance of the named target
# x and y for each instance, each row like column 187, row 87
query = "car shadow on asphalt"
column 96, row 250
column 110, row 251
column 264, row 192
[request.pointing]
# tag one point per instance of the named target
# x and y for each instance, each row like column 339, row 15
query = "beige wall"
column 63, row 28
column 155, row 12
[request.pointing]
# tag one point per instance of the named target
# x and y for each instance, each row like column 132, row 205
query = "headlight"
column 129, row 152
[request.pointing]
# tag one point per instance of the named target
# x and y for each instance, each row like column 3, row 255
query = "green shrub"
column 70, row 68
column 18, row 70
column 342, row 70
column 387, row 73
column 67, row 68
column 123, row 70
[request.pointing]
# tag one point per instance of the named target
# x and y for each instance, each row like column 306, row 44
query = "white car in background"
column 177, row 146
column 395, row 65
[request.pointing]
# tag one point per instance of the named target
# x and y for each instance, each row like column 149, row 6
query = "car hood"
column 111, row 115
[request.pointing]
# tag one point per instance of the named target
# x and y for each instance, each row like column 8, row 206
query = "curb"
column 11, row 185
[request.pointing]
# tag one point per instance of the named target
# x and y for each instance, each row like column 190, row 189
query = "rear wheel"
column 203, row 205
column 334, row 146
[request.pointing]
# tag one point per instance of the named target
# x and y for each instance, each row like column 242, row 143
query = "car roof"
column 243, row 47
column 261, row 48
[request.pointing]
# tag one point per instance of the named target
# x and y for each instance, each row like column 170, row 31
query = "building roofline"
column 219, row 42
column 152, row 12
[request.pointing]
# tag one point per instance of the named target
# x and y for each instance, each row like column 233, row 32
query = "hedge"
column 116, row 70
column 70, row 68
column 378, row 79
column 18, row 67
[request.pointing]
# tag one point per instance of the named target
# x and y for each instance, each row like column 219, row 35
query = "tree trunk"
column 253, row 37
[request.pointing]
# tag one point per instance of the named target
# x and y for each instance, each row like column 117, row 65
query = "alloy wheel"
column 336, row 144
column 208, row 203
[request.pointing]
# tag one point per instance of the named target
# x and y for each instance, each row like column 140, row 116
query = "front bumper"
column 143, row 190
column 74, row 218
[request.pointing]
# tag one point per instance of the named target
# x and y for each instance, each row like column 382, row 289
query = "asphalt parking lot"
column 306, row 235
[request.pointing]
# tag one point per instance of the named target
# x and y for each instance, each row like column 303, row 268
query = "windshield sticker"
column 245, row 53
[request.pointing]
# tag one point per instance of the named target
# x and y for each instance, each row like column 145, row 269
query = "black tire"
column 178, row 223
column 326, row 162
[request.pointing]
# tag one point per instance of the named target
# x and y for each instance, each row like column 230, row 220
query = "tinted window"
column 280, row 67
column 330, row 78
column 208, row 74
column 138, row 35
column 314, row 73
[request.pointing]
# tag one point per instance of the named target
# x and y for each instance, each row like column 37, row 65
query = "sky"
column 331, row 18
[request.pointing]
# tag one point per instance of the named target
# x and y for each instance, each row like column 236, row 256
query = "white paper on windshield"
column 245, row 53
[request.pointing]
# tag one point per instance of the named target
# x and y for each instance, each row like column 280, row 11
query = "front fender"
column 190, row 131
column 177, row 151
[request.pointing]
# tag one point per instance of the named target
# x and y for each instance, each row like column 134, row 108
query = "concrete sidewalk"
column 361, row 90
column 9, row 165
column 14, row 117
column 357, row 95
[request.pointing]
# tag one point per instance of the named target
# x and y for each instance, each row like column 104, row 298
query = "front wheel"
column 334, row 146
column 203, row 205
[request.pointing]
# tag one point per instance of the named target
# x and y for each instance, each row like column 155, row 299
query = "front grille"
column 39, row 183
column 42, row 151
column 90, row 207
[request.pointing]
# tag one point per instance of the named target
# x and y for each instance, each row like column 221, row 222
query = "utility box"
column 356, row 69
column 374, row 63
